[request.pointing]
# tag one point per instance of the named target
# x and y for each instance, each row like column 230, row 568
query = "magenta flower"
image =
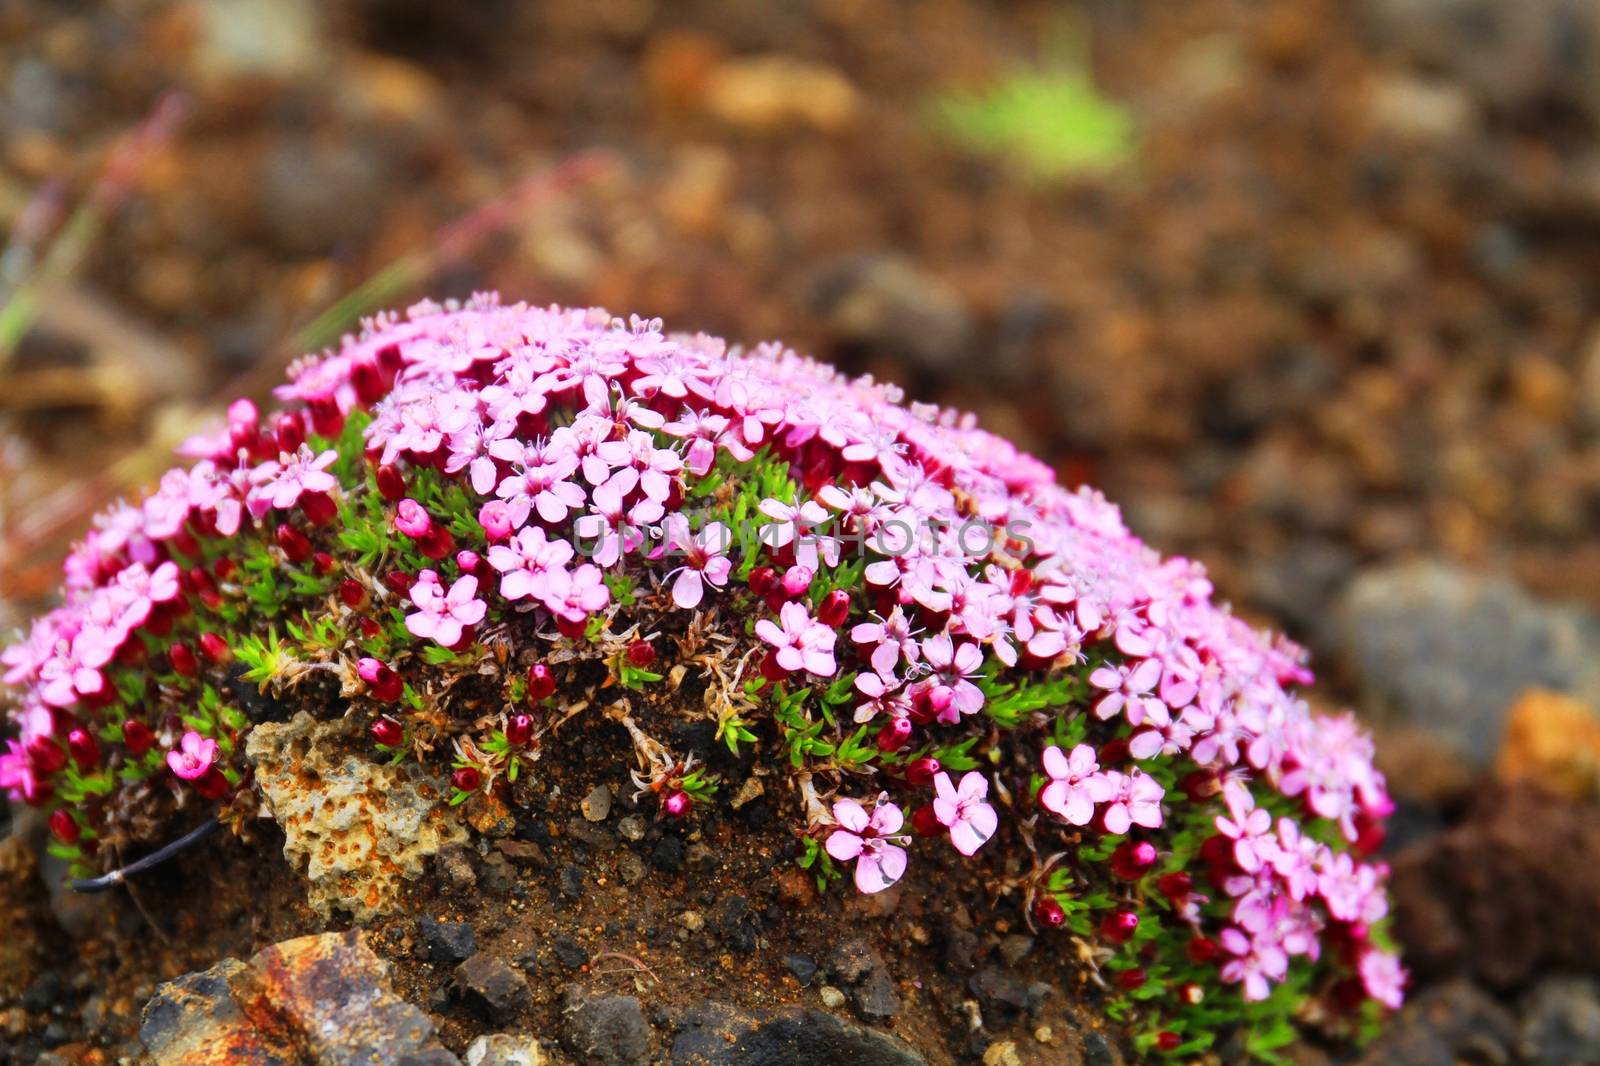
column 281, row 482
column 894, row 637
column 1248, row 826
column 412, row 519
column 193, row 757
column 1127, row 686
column 541, row 483
column 1136, row 800
column 495, row 518
column 576, row 594
column 1256, row 963
column 444, row 616
column 962, row 809
column 802, row 642
column 1383, row 977
column 704, row 561
column 527, row 561
column 1076, row 784
column 656, row 467
column 872, row 842
column 950, row 690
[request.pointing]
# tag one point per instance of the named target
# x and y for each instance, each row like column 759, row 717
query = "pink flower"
column 656, row 466
column 194, row 756
column 495, row 518
column 871, row 841
column 576, row 594
column 613, row 527
column 281, row 483
column 412, row 519
column 1383, row 978
column 949, row 689
column 703, row 559
column 802, row 642
column 1126, row 686
column 541, row 484
column 895, row 639
column 964, row 812
column 1248, row 826
column 444, row 616
column 1135, row 801
column 1256, row 963
column 1076, row 784
column 526, row 563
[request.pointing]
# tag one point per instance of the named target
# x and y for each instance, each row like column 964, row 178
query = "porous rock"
column 356, row 827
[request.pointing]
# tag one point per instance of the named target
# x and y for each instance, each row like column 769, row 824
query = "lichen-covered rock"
column 357, row 827
column 314, row 1001
column 1553, row 740
column 502, row 1049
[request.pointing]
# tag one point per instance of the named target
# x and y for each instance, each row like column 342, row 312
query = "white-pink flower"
column 963, row 810
column 1383, row 977
column 802, row 642
column 193, row 756
column 704, row 559
column 281, row 482
column 1135, row 800
column 443, row 616
column 1126, row 686
column 527, row 561
column 871, row 841
column 1076, row 784
column 949, row 689
column 576, row 594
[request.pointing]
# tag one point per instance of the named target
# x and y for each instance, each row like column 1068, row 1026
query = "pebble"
column 803, row 967
column 605, row 1030
column 570, row 953
column 596, row 805
column 693, row 921
column 832, row 998
column 668, row 855
column 448, row 942
column 631, row 868
column 632, row 828
column 492, row 985
column 572, row 882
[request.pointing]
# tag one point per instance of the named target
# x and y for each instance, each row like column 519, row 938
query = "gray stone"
column 888, row 304
column 632, row 828
column 1449, row 652
column 1443, row 1026
column 794, row 1037
column 447, row 942
column 605, row 1030
column 1561, row 1023
column 875, row 997
column 597, row 804
column 494, row 987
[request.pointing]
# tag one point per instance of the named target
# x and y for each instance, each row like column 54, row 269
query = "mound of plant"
column 475, row 522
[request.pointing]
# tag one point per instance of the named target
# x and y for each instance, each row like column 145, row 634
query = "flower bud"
column 64, row 827
column 84, row 748
column 926, row 822
column 215, row 648
column 519, row 730
column 762, row 580
column 641, row 653
column 1131, row 980
column 1119, row 926
column 1176, row 886
column 353, row 593
column 1167, row 1040
column 383, row 684
column 1133, row 859
column 1049, row 912
column 182, row 660
column 835, row 608
column 412, row 519
column 541, row 683
column 921, row 771
column 46, row 756
column 391, row 486
column 137, row 737
column 468, row 561
column 894, row 735
column 676, row 805
column 399, row 582
column 212, row 785
column 436, row 543
column 495, row 518
column 323, row 563
column 319, row 508
column 289, row 432
column 388, row 732
column 797, row 579
column 466, row 779
column 1202, row 949
column 293, row 542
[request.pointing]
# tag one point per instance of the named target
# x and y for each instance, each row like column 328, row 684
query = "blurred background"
column 1311, row 288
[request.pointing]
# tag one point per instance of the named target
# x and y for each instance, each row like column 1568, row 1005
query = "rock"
column 446, row 942
column 499, row 876
column 1554, row 741
column 503, row 1050
column 632, row 828
column 596, row 805
column 832, row 998
column 768, row 92
column 999, row 993
column 570, row 953
column 631, row 868
column 1002, row 1053
column 716, row 1035
column 455, row 865
column 319, row 999
column 853, row 960
column 737, row 924
column 605, row 1030
column 668, row 855
column 1561, row 1023
column 1525, row 56
column 357, row 826
column 887, row 305
column 572, row 881
column 1511, row 893
column 1015, row 948
column 1444, row 1026
column 494, row 987
column 1448, row 651
column 803, row 967
column 875, row 997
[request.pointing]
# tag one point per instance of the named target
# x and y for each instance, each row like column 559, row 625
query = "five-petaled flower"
column 444, row 616
column 801, row 642
column 964, row 810
column 1076, row 784
column 193, row 757
column 874, row 842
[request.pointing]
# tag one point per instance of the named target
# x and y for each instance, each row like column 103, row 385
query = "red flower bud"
column 926, row 822
column 1176, row 886
column 289, row 430
column 835, row 608
column 467, row 779
column 182, row 660
column 293, row 542
column 921, row 771
column 215, row 648
column 894, row 735
column 84, row 748
column 1133, row 859
column 770, row 669
column 367, row 381
column 1202, row 949
column 468, row 561
column 224, row 568
column 319, row 508
column 1119, row 926
column 1191, row 994
column 437, row 542
column 641, row 653
column 762, row 579
column 326, row 418
column 676, row 805
column 353, row 593
column 213, row 785
column 541, row 683
column 64, row 827
column 1167, row 1040
column 1199, row 785
column 1130, row 980
column 388, row 732
column 391, row 486
column 1049, row 912
column 46, row 756
column 137, row 737
column 519, row 730
column 399, row 582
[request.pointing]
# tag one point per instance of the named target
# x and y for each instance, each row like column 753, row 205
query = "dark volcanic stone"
column 1443, row 1026
column 999, row 993
column 962, row 951
column 803, row 967
column 875, row 997
column 605, row 1030
column 795, row 1037
column 852, row 960
column 447, row 942
column 570, row 953
column 493, row 986
column 668, row 855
